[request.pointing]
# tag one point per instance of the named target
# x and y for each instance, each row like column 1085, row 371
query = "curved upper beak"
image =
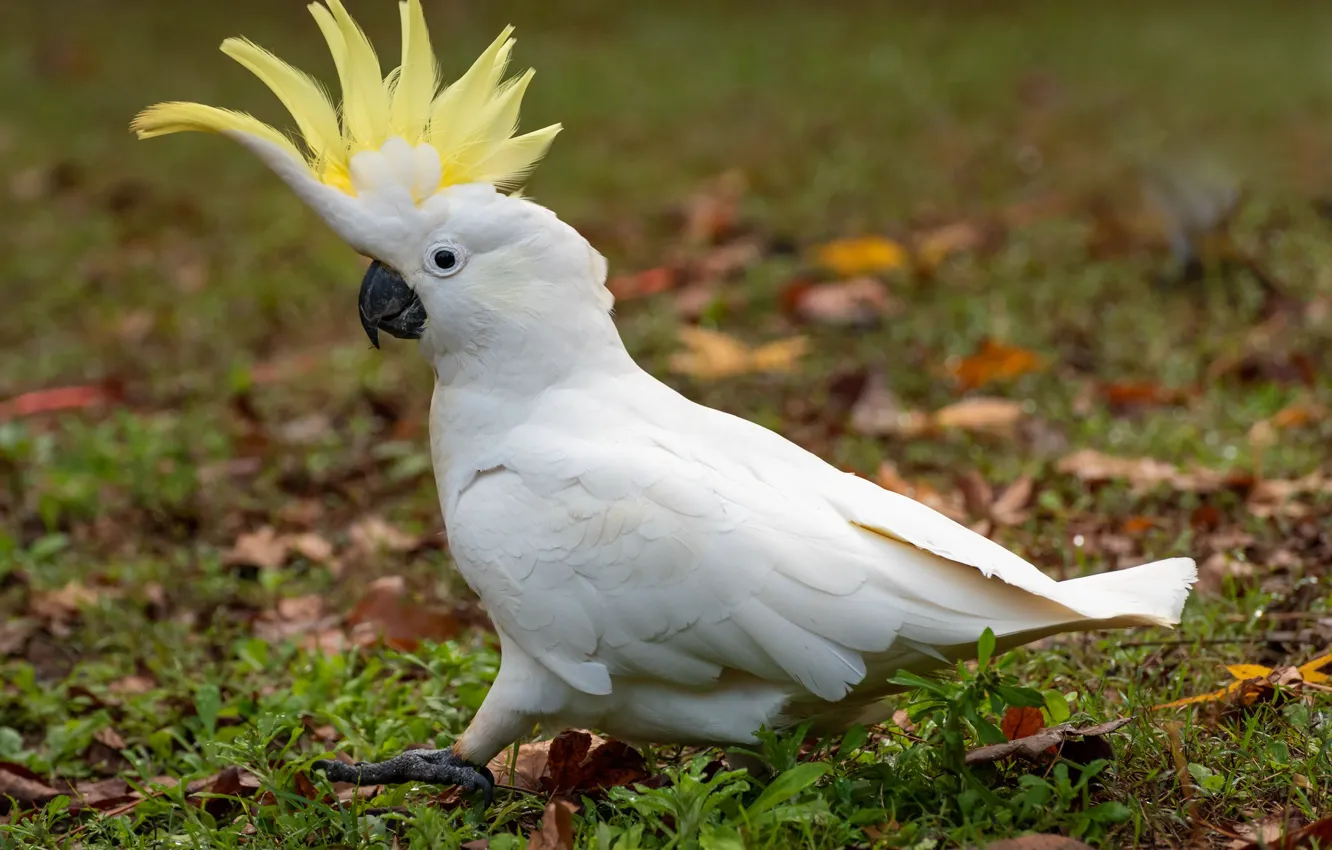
column 388, row 304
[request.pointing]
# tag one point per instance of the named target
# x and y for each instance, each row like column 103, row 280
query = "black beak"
column 389, row 304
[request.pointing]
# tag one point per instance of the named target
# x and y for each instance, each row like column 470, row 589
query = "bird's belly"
column 638, row 710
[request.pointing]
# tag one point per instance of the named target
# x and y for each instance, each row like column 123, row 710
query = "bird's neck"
column 484, row 390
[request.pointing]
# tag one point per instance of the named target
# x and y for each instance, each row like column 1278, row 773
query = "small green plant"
column 949, row 708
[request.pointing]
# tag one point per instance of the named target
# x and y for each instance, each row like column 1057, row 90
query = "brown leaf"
column 878, row 412
column 1038, row 841
column 97, row 793
column 27, row 788
column 572, row 763
column 63, row 605
column 14, row 634
column 1277, row 836
column 298, row 608
column 643, row 284
column 264, row 549
column 305, row 787
column 525, row 769
column 859, row 302
column 949, row 504
column 994, row 361
column 1271, row 497
column 902, row 720
column 1297, row 415
column 1036, row 747
column 556, row 830
column 312, row 547
column 934, row 246
column 713, row 211
column 1021, row 721
column 1143, row 394
column 385, row 611
column 110, row 737
column 133, row 684
column 711, row 354
column 978, row 413
column 1010, row 508
column 1143, row 473
column 371, row 535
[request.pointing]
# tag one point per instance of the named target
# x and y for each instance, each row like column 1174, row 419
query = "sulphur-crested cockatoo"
column 655, row 569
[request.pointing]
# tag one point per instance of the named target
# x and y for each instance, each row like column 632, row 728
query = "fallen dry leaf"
column 556, row 829
column 385, row 611
column 1279, row 833
column 1272, row 497
column 862, row 255
column 950, row 505
column 14, row 634
column 133, row 684
column 1021, row 721
column 642, row 284
column 264, row 549
column 902, row 720
column 860, row 302
column 993, row 361
column 877, row 412
column 1122, row 396
column 1036, row 747
column 714, row 209
column 979, row 413
column 934, row 246
column 712, row 354
column 371, row 535
column 1254, row 683
column 26, row 788
column 110, row 737
column 1038, row 841
column 573, row 762
column 1143, row 473
column 1301, row 414
column 61, row 398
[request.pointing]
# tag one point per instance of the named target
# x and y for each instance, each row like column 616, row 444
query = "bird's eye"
column 444, row 259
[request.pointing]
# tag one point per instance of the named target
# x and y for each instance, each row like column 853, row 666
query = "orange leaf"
column 1137, row 524
column 642, row 284
column 861, row 255
column 1021, row 721
column 1248, row 671
column 994, row 361
column 1141, row 394
column 1312, row 671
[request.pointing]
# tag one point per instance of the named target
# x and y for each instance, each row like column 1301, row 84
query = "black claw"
column 437, row 767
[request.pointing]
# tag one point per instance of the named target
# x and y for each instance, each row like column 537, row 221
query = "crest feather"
column 469, row 124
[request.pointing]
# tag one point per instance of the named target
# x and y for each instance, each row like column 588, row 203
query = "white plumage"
column 667, row 572
column 655, row 569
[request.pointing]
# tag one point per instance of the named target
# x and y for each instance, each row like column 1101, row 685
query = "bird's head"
column 416, row 176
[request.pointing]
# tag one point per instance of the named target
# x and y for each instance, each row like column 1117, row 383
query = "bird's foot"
column 437, row 767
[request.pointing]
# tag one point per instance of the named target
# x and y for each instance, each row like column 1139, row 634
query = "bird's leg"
column 437, row 767
column 505, row 715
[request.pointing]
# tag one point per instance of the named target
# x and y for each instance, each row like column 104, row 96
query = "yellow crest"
column 462, row 133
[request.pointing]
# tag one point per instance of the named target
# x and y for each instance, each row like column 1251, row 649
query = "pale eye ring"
column 444, row 259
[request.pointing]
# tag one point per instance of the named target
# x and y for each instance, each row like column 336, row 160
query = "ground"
column 224, row 548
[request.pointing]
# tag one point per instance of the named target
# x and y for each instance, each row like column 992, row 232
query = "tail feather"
column 1150, row 594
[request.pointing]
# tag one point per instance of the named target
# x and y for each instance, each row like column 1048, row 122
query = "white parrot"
column 655, row 569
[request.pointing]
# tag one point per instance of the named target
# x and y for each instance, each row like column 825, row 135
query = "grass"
column 222, row 312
